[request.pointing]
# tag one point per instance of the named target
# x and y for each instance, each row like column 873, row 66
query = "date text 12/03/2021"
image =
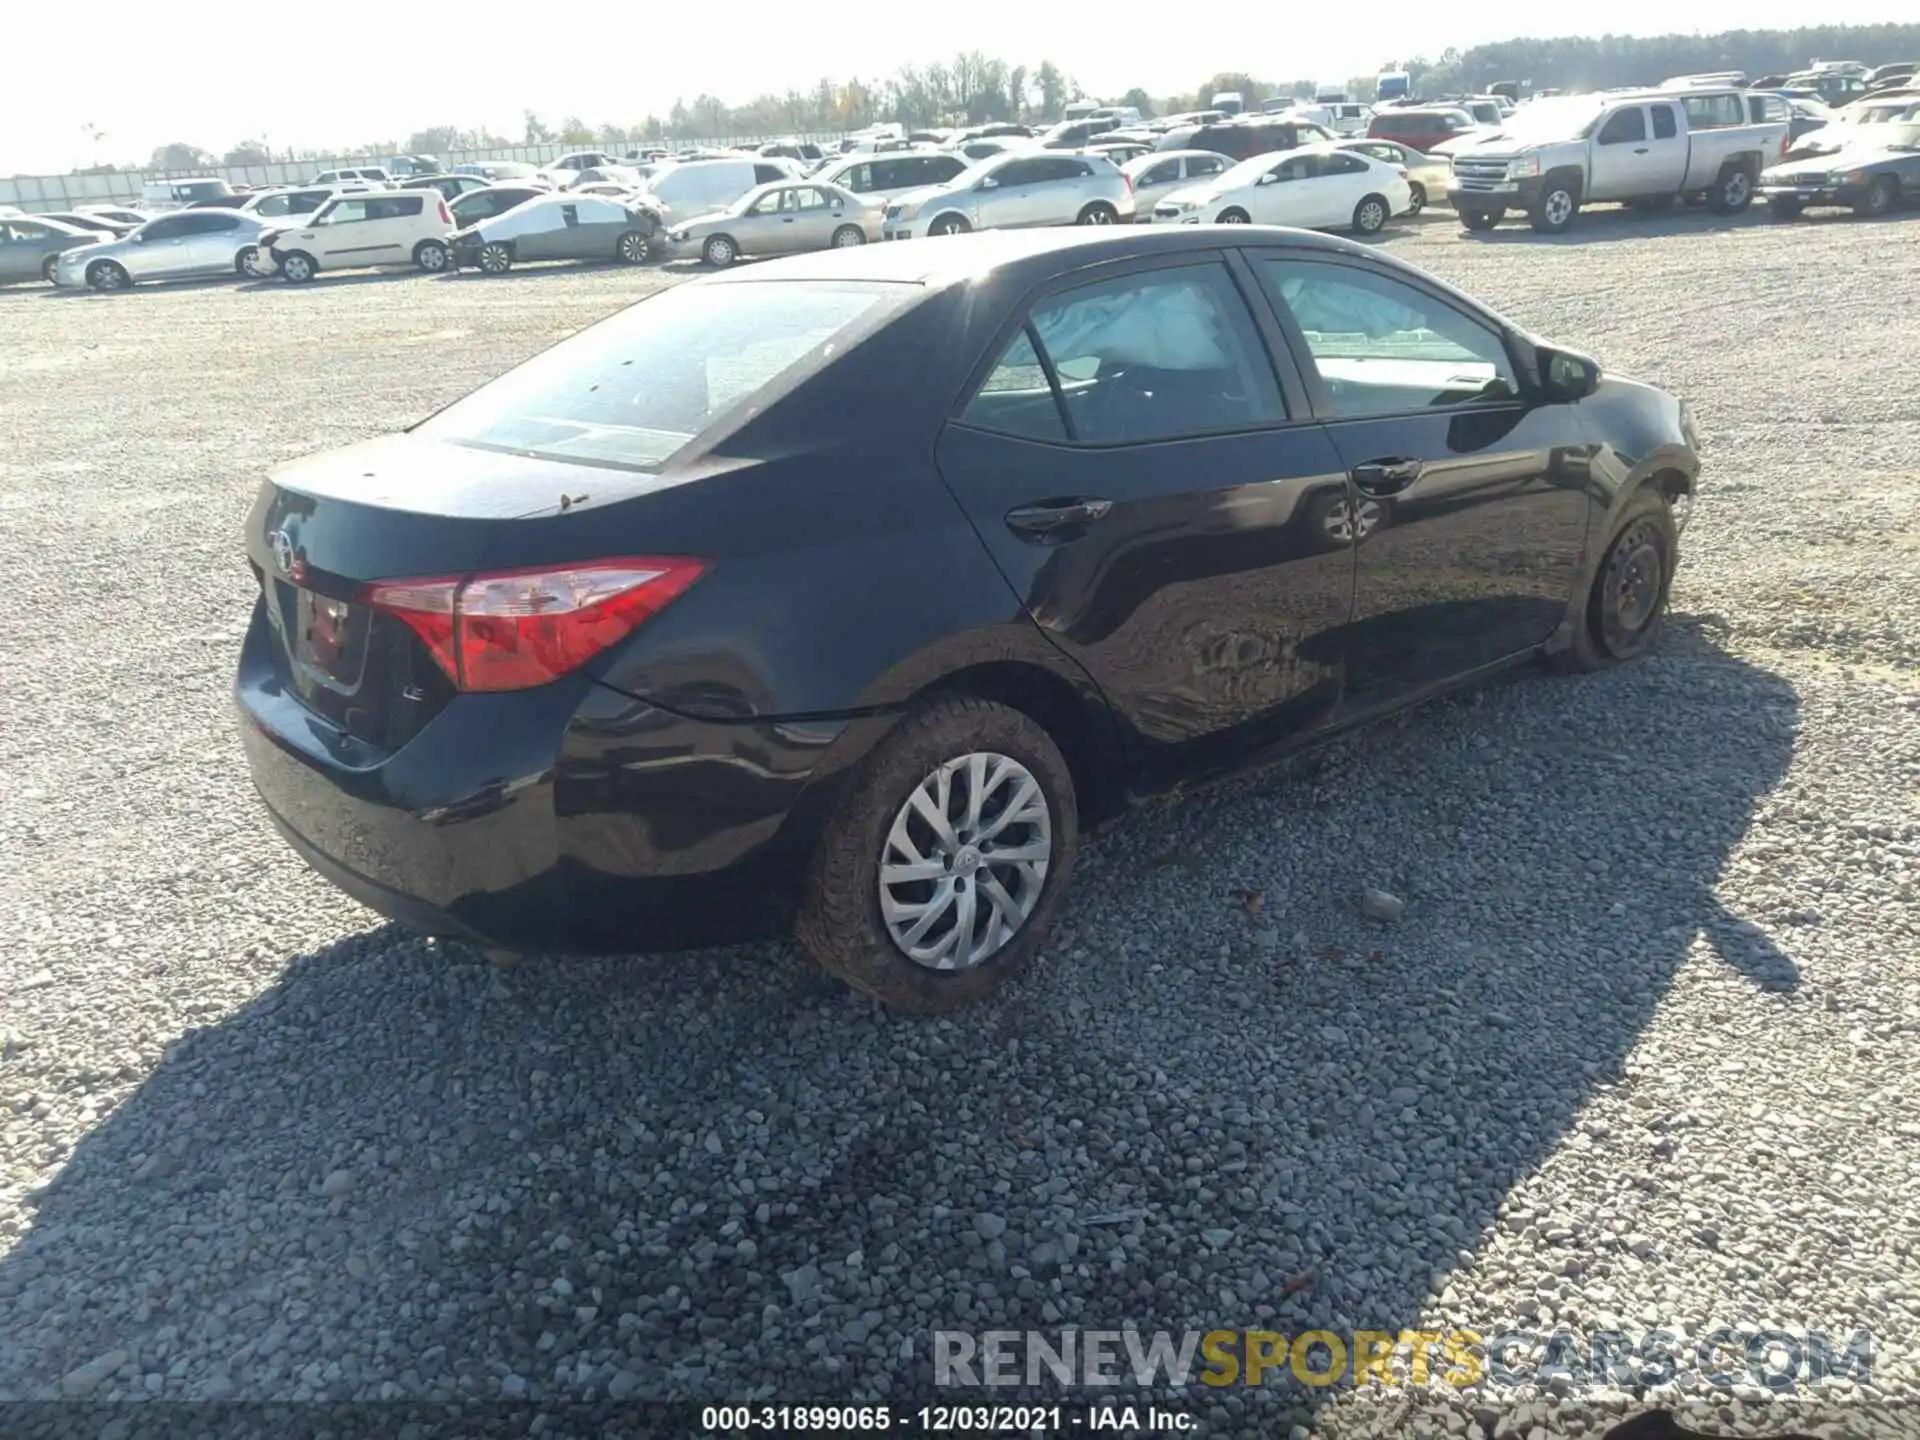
column 1097, row 1418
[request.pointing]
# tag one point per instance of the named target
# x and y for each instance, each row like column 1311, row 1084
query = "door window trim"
column 1322, row 408
column 1294, row 400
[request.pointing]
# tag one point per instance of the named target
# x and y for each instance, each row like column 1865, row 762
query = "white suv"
column 353, row 232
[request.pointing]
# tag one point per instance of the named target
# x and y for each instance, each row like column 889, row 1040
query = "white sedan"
column 1317, row 187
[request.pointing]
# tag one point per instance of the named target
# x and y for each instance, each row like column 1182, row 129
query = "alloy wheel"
column 1372, row 216
column 965, row 861
column 1559, row 208
column 1346, row 522
column 494, row 259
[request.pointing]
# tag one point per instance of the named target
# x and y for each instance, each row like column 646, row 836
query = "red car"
column 1421, row 129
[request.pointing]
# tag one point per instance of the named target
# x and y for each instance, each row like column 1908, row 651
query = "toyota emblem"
column 281, row 544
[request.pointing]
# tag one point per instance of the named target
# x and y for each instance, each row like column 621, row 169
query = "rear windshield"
column 634, row 390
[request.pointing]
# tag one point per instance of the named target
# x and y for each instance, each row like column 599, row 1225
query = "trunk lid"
column 397, row 507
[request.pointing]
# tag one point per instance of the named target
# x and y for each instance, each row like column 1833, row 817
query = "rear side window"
column 1713, row 112
column 1147, row 357
column 859, row 179
column 767, row 174
column 1017, row 398
column 633, row 391
column 1160, row 174
column 395, row 207
column 1665, row 127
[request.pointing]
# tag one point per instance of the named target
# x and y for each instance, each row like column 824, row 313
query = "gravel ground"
column 1641, row 1051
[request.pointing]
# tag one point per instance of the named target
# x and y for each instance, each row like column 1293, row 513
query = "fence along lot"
column 63, row 192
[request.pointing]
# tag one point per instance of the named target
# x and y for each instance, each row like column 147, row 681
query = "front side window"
column 636, row 389
column 1147, row 357
column 1382, row 346
column 767, row 204
column 343, row 212
column 1624, row 127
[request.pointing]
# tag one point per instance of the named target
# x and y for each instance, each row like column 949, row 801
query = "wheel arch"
column 1075, row 716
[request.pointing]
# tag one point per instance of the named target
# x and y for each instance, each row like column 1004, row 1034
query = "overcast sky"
column 304, row 79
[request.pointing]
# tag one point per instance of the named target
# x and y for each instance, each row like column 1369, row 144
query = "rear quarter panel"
column 844, row 576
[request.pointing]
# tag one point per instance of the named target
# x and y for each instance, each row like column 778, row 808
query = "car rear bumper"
column 567, row 818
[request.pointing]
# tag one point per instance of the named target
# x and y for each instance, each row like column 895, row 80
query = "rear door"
column 807, row 219
column 213, row 243
column 1468, row 492
column 1154, row 490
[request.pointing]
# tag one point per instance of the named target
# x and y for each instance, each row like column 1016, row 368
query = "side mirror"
column 988, row 184
column 1567, row 375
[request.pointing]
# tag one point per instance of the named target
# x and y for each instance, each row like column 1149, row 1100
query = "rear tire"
column 1417, row 200
column 1784, row 207
column 495, row 258
column 432, row 256
column 1626, row 606
column 719, row 251
column 298, row 268
column 1097, row 213
column 841, row 921
column 48, row 266
column 1370, row 215
column 848, row 236
column 1732, row 192
column 631, row 248
column 1879, row 197
column 1482, row 220
column 107, row 275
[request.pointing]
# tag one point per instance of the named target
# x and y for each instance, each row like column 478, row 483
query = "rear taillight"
column 446, row 215
column 1129, row 179
column 521, row 628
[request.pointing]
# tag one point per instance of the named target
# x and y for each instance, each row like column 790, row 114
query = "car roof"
column 960, row 259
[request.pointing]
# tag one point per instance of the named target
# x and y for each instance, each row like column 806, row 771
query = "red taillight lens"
column 520, row 628
column 446, row 215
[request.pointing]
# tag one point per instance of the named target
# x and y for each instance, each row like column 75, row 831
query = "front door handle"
column 1047, row 518
column 1380, row 478
column 1641, row 151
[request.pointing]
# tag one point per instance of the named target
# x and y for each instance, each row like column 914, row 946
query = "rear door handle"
column 1048, row 517
column 1386, row 477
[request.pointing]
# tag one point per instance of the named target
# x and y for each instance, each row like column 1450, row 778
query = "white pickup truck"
column 1644, row 148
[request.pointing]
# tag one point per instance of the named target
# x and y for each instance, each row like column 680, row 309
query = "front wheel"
column 1098, row 213
column 1784, row 207
column 1879, row 197
column 1731, row 193
column 719, row 251
column 1555, row 209
column 297, row 268
column 1235, row 217
column 1370, row 216
column 106, row 275
column 1627, row 603
column 1478, row 220
column 848, row 236
column 948, row 225
column 945, row 864
column 432, row 256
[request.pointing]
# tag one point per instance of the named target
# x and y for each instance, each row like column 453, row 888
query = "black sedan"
column 840, row 595
column 1871, row 175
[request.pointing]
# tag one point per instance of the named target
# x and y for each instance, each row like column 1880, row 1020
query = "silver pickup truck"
column 1644, row 148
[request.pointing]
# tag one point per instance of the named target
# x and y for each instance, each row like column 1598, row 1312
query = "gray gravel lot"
column 1643, row 1050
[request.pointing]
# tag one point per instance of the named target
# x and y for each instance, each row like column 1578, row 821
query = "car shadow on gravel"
column 1592, row 227
column 1222, row 1100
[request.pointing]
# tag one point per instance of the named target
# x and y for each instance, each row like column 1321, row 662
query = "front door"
column 1467, row 493
column 1006, row 198
column 1622, row 156
column 162, row 248
column 1170, row 516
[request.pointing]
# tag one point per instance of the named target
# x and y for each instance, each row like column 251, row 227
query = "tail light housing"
column 515, row 629
column 446, row 215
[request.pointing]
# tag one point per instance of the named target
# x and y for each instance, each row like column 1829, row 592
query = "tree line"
column 974, row 88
